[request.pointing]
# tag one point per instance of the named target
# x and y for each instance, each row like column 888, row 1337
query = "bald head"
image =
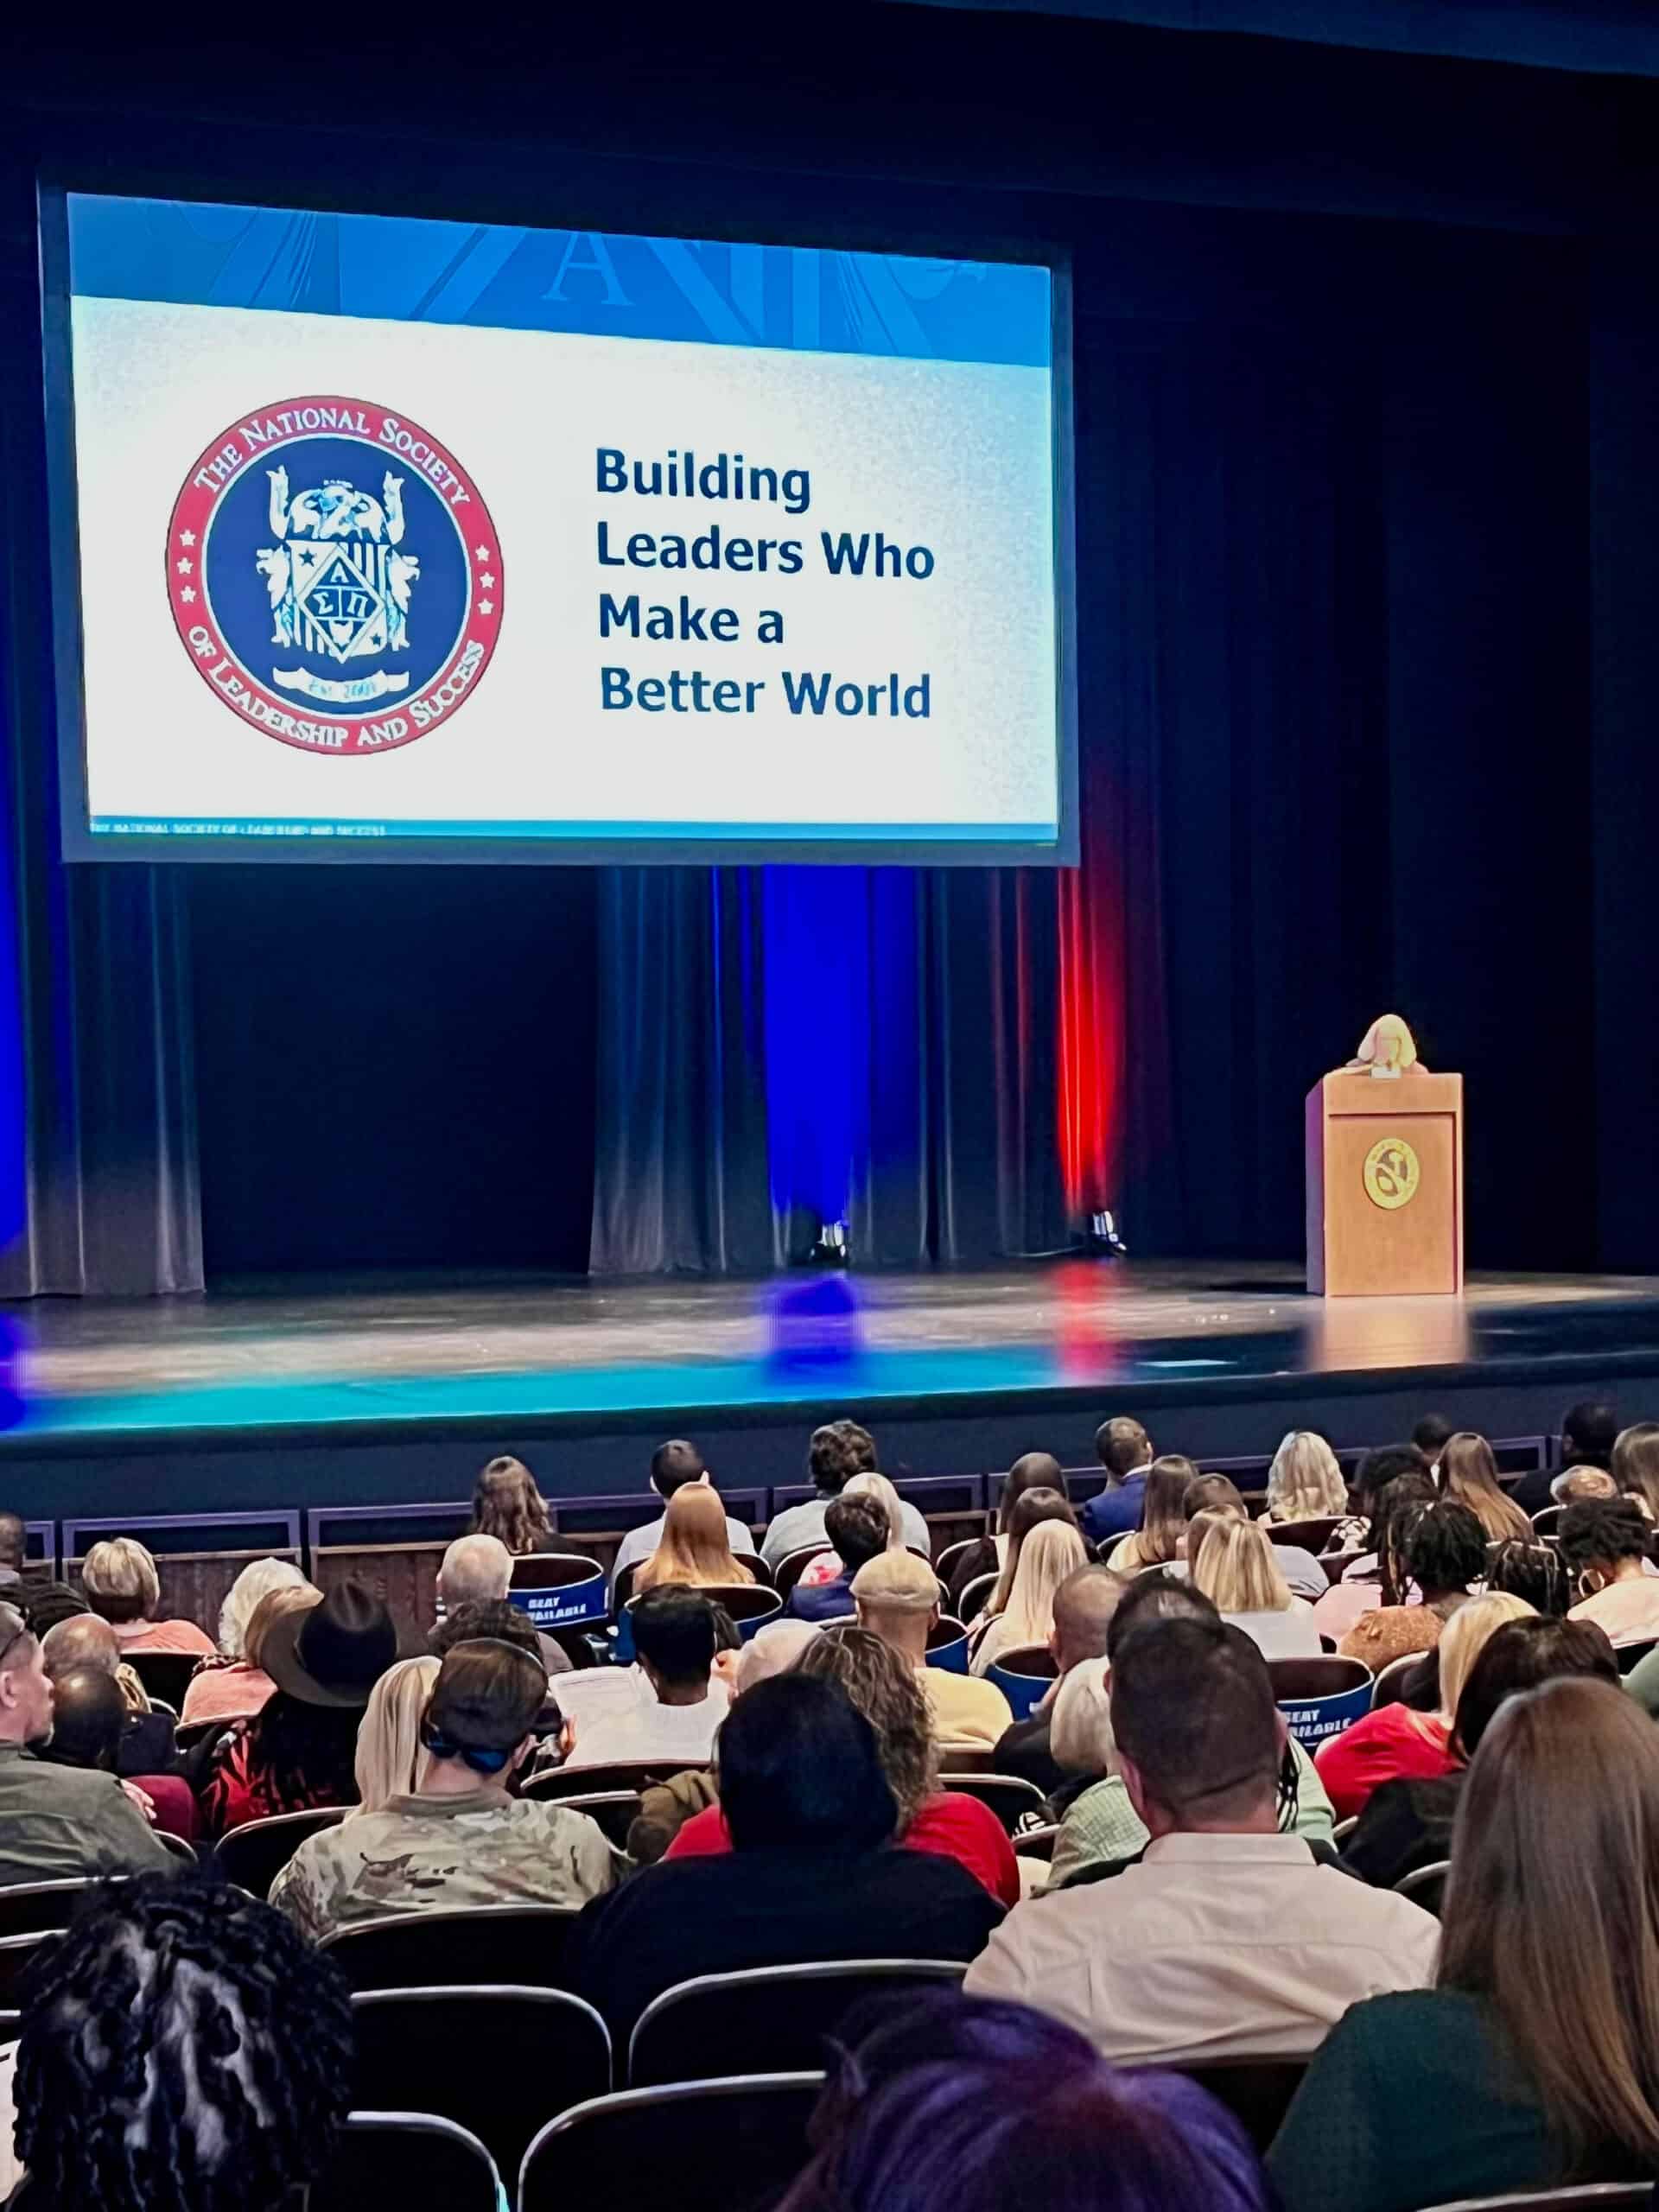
column 1084, row 1605
column 88, row 1714
column 84, row 1640
column 476, row 1570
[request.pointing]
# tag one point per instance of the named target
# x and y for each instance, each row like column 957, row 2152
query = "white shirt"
column 643, row 1728
column 639, row 1543
column 1287, row 1635
column 801, row 1525
column 1212, row 1947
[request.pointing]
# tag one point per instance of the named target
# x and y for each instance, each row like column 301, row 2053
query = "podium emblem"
column 1392, row 1173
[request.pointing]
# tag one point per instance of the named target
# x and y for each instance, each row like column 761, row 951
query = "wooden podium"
column 1385, row 1185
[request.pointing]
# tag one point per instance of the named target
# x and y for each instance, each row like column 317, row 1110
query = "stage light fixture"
column 832, row 1248
column 1101, row 1239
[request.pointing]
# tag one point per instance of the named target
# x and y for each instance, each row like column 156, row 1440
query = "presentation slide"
column 427, row 540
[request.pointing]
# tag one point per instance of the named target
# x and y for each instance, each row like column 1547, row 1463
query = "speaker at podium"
column 1384, row 1140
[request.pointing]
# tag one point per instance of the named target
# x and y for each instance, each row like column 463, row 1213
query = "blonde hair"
column 389, row 1734
column 1466, row 1635
column 879, row 1487
column 1052, row 1550
column 1469, row 1475
column 1387, row 1025
column 120, row 1581
column 256, row 1580
column 1304, row 1483
column 290, row 1598
column 1080, row 1720
column 1236, row 1569
column 695, row 1550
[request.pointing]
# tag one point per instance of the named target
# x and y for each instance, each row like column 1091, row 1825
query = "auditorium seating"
column 1426, row 1886
column 253, row 1855
column 771, row 2018
column 1008, row 1796
column 727, row 2145
column 442, row 1947
column 410, row 2159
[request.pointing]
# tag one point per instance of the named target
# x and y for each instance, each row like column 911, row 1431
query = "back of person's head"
column 1634, row 1463
column 1152, row 1597
column 872, row 1486
column 1580, row 1483
column 389, row 1734
column 773, row 1650
column 1529, row 1569
column 1597, row 1536
column 954, row 2104
column 84, row 1640
column 1551, row 1913
column 1518, row 1657
column 858, row 1528
column 1466, row 1635
column 497, row 1617
column 14, row 1536
column 1202, row 1526
column 1198, row 1736
column 1030, row 1511
column 1304, row 1483
column 1234, row 1567
column 1214, row 1494
column 256, row 1580
column 1386, row 1464
column 1084, row 1607
column 675, row 1464
column 1122, row 1445
column 184, row 2050
column 1469, row 1474
column 674, row 1635
column 837, row 1451
column 1080, row 1721
column 88, row 1716
column 46, row 1604
column 695, row 1547
column 1163, row 1518
column 1052, row 1551
column 474, row 1567
column 484, row 1702
column 898, row 1596
column 1441, row 1545
column 1430, row 1435
column 276, row 1605
column 507, row 1503
column 120, row 1581
column 800, row 1769
column 1031, row 1470
column 1589, row 1431
column 887, row 1691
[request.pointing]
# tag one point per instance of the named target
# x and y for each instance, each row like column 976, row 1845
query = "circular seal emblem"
column 1392, row 1173
column 334, row 575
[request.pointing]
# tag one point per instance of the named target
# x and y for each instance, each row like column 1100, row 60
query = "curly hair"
column 890, row 1698
column 837, row 1451
column 1438, row 1547
column 184, row 2050
column 507, row 1503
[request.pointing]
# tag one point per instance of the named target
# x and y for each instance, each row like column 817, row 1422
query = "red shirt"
column 1391, row 1745
column 950, row 1824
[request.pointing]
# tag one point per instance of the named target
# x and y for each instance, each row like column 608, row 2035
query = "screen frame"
column 79, row 843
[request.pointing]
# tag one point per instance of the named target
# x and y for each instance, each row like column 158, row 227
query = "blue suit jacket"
column 1113, row 1512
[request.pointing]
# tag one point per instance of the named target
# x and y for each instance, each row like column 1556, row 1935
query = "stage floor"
column 375, row 1354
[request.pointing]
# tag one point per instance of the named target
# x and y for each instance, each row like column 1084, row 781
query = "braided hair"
column 183, row 2049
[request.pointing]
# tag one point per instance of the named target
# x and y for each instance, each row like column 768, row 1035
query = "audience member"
column 122, row 1587
column 989, row 1556
column 1219, row 1493
column 898, row 1597
column 1468, row 1474
column 673, row 1465
column 1531, row 1570
column 1099, row 1829
column 1236, row 1567
column 182, row 2051
column 1124, row 1449
column 507, row 1504
column 1604, row 1548
column 488, row 1617
column 477, row 1570
column 1544, row 2010
column 299, row 1749
column 1634, row 1464
column 46, row 1604
column 1021, row 1611
column 56, row 1822
column 1440, row 1551
column 837, row 1451
column 233, row 1685
column 810, row 1809
column 694, row 1552
column 1430, row 1436
column 957, row 2105
column 859, row 1528
column 1305, row 1482
column 1579, row 1484
column 389, row 1753
column 458, row 1839
column 1392, row 1741
column 681, row 1706
column 14, row 1537
column 1407, row 1823
column 1158, row 1539
column 827, row 1567
column 887, row 1693
column 148, row 1742
column 1226, row 1938
column 1362, row 1533
column 92, row 1726
column 1589, row 1431
column 1084, row 1607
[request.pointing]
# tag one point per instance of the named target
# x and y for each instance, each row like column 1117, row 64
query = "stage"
column 373, row 1391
